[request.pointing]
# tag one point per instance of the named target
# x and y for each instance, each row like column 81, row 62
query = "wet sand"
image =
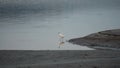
column 60, row 59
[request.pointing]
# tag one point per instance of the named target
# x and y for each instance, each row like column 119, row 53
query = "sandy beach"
column 60, row 59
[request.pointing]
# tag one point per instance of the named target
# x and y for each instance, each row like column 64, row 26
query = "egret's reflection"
column 61, row 44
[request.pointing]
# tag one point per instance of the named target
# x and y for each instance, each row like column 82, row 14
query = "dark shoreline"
column 59, row 59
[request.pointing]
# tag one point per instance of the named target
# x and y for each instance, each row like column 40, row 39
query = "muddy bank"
column 108, row 38
column 60, row 59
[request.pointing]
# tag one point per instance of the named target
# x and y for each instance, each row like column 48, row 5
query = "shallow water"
column 39, row 31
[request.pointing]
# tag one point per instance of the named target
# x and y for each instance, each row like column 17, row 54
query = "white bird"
column 61, row 36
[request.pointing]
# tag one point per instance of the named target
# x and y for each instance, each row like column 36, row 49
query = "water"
column 39, row 30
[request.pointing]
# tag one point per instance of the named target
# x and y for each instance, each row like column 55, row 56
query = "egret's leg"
column 59, row 39
column 62, row 39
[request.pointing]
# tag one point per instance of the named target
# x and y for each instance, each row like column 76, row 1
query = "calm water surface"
column 39, row 31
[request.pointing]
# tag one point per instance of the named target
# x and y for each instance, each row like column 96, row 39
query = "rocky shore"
column 108, row 39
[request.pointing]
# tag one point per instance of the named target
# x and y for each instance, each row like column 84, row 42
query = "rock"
column 108, row 38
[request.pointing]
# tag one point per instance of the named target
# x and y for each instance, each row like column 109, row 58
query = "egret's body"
column 61, row 36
